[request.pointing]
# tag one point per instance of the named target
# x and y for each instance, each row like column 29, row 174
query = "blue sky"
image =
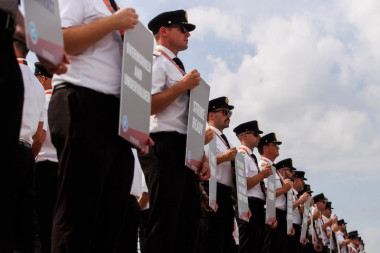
column 308, row 71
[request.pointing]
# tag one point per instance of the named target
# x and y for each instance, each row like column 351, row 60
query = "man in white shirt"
column 353, row 245
column 321, row 239
column 251, row 233
column 219, row 226
column 174, row 203
column 95, row 163
column 285, row 172
column 33, row 116
column 298, row 201
column 46, row 169
column 269, row 150
column 340, row 236
column 327, row 223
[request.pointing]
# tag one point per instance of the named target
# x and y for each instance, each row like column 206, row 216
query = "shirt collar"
column 167, row 51
column 267, row 160
column 216, row 130
column 246, row 148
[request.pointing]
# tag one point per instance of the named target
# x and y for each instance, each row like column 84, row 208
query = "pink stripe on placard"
column 135, row 137
column 194, row 164
column 244, row 216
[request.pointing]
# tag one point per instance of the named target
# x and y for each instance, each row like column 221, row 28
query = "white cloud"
column 223, row 24
column 300, row 84
column 365, row 16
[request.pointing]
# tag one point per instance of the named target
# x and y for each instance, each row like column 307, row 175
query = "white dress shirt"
column 340, row 238
column 164, row 75
column 280, row 200
column 251, row 170
column 99, row 66
column 297, row 217
column 223, row 170
column 33, row 110
column 48, row 151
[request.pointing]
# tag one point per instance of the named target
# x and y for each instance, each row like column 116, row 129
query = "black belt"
column 25, row 144
column 67, row 85
column 7, row 21
column 296, row 226
column 254, row 199
column 62, row 86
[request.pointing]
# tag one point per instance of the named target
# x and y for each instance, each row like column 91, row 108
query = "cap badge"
column 186, row 17
column 227, row 101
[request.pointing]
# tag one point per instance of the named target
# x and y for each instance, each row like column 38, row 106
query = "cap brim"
column 230, row 107
column 259, row 132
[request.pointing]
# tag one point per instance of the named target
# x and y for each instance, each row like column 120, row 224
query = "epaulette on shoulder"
column 156, row 53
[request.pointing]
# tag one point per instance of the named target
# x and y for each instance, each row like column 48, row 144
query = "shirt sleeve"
column 158, row 75
column 247, row 168
column 339, row 239
column 72, row 12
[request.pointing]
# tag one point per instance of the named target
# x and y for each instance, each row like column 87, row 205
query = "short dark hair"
column 260, row 148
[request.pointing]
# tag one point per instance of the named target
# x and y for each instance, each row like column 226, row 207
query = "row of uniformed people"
column 256, row 235
column 94, row 211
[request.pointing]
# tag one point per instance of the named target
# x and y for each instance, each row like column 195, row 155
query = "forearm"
column 222, row 158
column 253, row 181
column 38, row 139
column 280, row 191
column 162, row 100
column 79, row 38
column 325, row 225
column 297, row 203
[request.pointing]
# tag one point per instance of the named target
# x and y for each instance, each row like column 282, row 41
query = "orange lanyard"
column 23, row 62
column 112, row 10
column 281, row 179
column 170, row 59
column 225, row 144
column 48, row 92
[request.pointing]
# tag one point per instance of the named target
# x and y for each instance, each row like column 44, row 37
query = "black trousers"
column 11, row 103
column 95, row 172
column 294, row 241
column 134, row 221
column 174, row 209
column 251, row 234
column 23, row 203
column 276, row 239
column 46, row 196
column 218, row 227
